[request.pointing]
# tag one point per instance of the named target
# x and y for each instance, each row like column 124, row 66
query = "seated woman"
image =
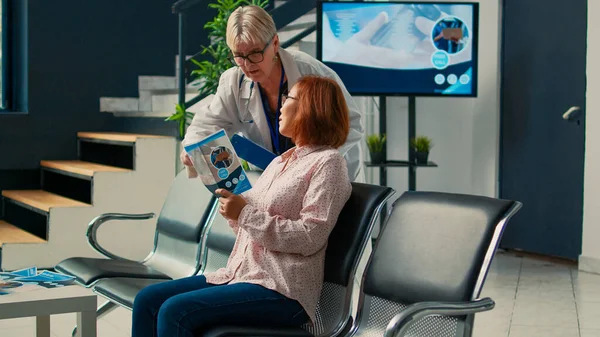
column 275, row 272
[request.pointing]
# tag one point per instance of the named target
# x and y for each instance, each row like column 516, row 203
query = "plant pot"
column 377, row 157
column 421, row 157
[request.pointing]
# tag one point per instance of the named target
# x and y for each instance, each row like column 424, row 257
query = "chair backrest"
column 180, row 227
column 433, row 247
column 218, row 245
column 346, row 245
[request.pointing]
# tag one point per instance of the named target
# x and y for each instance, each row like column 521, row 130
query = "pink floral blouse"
column 282, row 233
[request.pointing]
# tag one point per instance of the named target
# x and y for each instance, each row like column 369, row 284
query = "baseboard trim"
column 589, row 264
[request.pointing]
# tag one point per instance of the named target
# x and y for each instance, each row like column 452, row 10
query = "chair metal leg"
column 469, row 324
column 102, row 310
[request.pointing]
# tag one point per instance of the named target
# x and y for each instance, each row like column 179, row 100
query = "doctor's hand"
column 185, row 158
column 231, row 204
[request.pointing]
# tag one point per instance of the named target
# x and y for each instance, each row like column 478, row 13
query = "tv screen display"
column 400, row 48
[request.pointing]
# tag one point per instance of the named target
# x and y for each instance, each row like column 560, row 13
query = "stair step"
column 167, row 102
column 42, row 200
column 13, row 234
column 116, row 136
column 80, row 167
column 156, row 82
column 108, row 104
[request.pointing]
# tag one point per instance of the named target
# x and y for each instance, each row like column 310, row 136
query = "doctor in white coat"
column 249, row 97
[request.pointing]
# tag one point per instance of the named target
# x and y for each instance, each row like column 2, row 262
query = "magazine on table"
column 216, row 163
column 29, row 279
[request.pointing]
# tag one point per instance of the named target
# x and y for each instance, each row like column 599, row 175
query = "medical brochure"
column 217, row 164
column 29, row 279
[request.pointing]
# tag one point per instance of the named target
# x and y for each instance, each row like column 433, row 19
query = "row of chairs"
column 423, row 277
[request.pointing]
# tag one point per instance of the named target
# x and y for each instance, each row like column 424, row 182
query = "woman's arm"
column 328, row 191
column 234, row 226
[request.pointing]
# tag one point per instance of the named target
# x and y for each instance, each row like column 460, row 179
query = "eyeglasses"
column 284, row 97
column 254, row 57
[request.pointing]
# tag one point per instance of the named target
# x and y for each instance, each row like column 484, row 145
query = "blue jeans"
column 186, row 307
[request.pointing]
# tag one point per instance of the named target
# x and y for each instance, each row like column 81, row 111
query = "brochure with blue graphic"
column 217, row 163
column 25, row 272
column 29, row 279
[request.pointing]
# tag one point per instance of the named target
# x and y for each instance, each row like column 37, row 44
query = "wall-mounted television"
column 400, row 48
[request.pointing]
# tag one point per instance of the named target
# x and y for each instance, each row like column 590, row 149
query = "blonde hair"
column 249, row 25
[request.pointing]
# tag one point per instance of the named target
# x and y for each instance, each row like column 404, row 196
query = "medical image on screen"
column 396, row 48
column 450, row 35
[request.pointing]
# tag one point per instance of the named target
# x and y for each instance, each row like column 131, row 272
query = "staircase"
column 157, row 98
column 113, row 173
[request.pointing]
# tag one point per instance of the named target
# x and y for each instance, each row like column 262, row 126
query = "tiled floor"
column 534, row 298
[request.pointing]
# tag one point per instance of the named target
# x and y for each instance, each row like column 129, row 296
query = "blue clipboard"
column 252, row 152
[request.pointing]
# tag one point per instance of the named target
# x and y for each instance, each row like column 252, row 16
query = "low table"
column 45, row 302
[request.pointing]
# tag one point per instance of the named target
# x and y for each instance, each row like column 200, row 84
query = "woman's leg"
column 149, row 300
column 236, row 304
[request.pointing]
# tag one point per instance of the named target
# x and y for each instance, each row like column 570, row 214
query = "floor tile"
column 590, row 333
column 587, row 293
column 499, row 316
column 542, row 331
column 544, row 313
column 485, row 329
column 545, row 292
column 535, row 278
column 586, row 286
column 62, row 325
column 120, row 318
column 589, row 315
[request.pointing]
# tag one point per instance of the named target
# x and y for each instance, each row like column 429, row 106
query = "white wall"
column 465, row 130
column 590, row 257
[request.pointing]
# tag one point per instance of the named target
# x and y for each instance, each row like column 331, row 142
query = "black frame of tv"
column 475, row 44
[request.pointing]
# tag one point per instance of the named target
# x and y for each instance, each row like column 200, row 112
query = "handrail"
column 282, row 15
column 306, row 32
column 183, row 5
column 195, row 100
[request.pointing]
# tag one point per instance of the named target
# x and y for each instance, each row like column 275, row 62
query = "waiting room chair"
column 346, row 245
column 218, row 244
column 429, row 265
column 187, row 209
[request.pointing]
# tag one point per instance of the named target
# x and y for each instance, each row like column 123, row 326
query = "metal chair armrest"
column 99, row 220
column 402, row 322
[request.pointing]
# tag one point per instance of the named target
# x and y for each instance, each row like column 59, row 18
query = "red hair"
column 322, row 114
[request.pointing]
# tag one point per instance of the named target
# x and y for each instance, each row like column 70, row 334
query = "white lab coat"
column 233, row 108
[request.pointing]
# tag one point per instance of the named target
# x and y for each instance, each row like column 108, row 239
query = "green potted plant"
column 376, row 144
column 421, row 145
column 209, row 71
